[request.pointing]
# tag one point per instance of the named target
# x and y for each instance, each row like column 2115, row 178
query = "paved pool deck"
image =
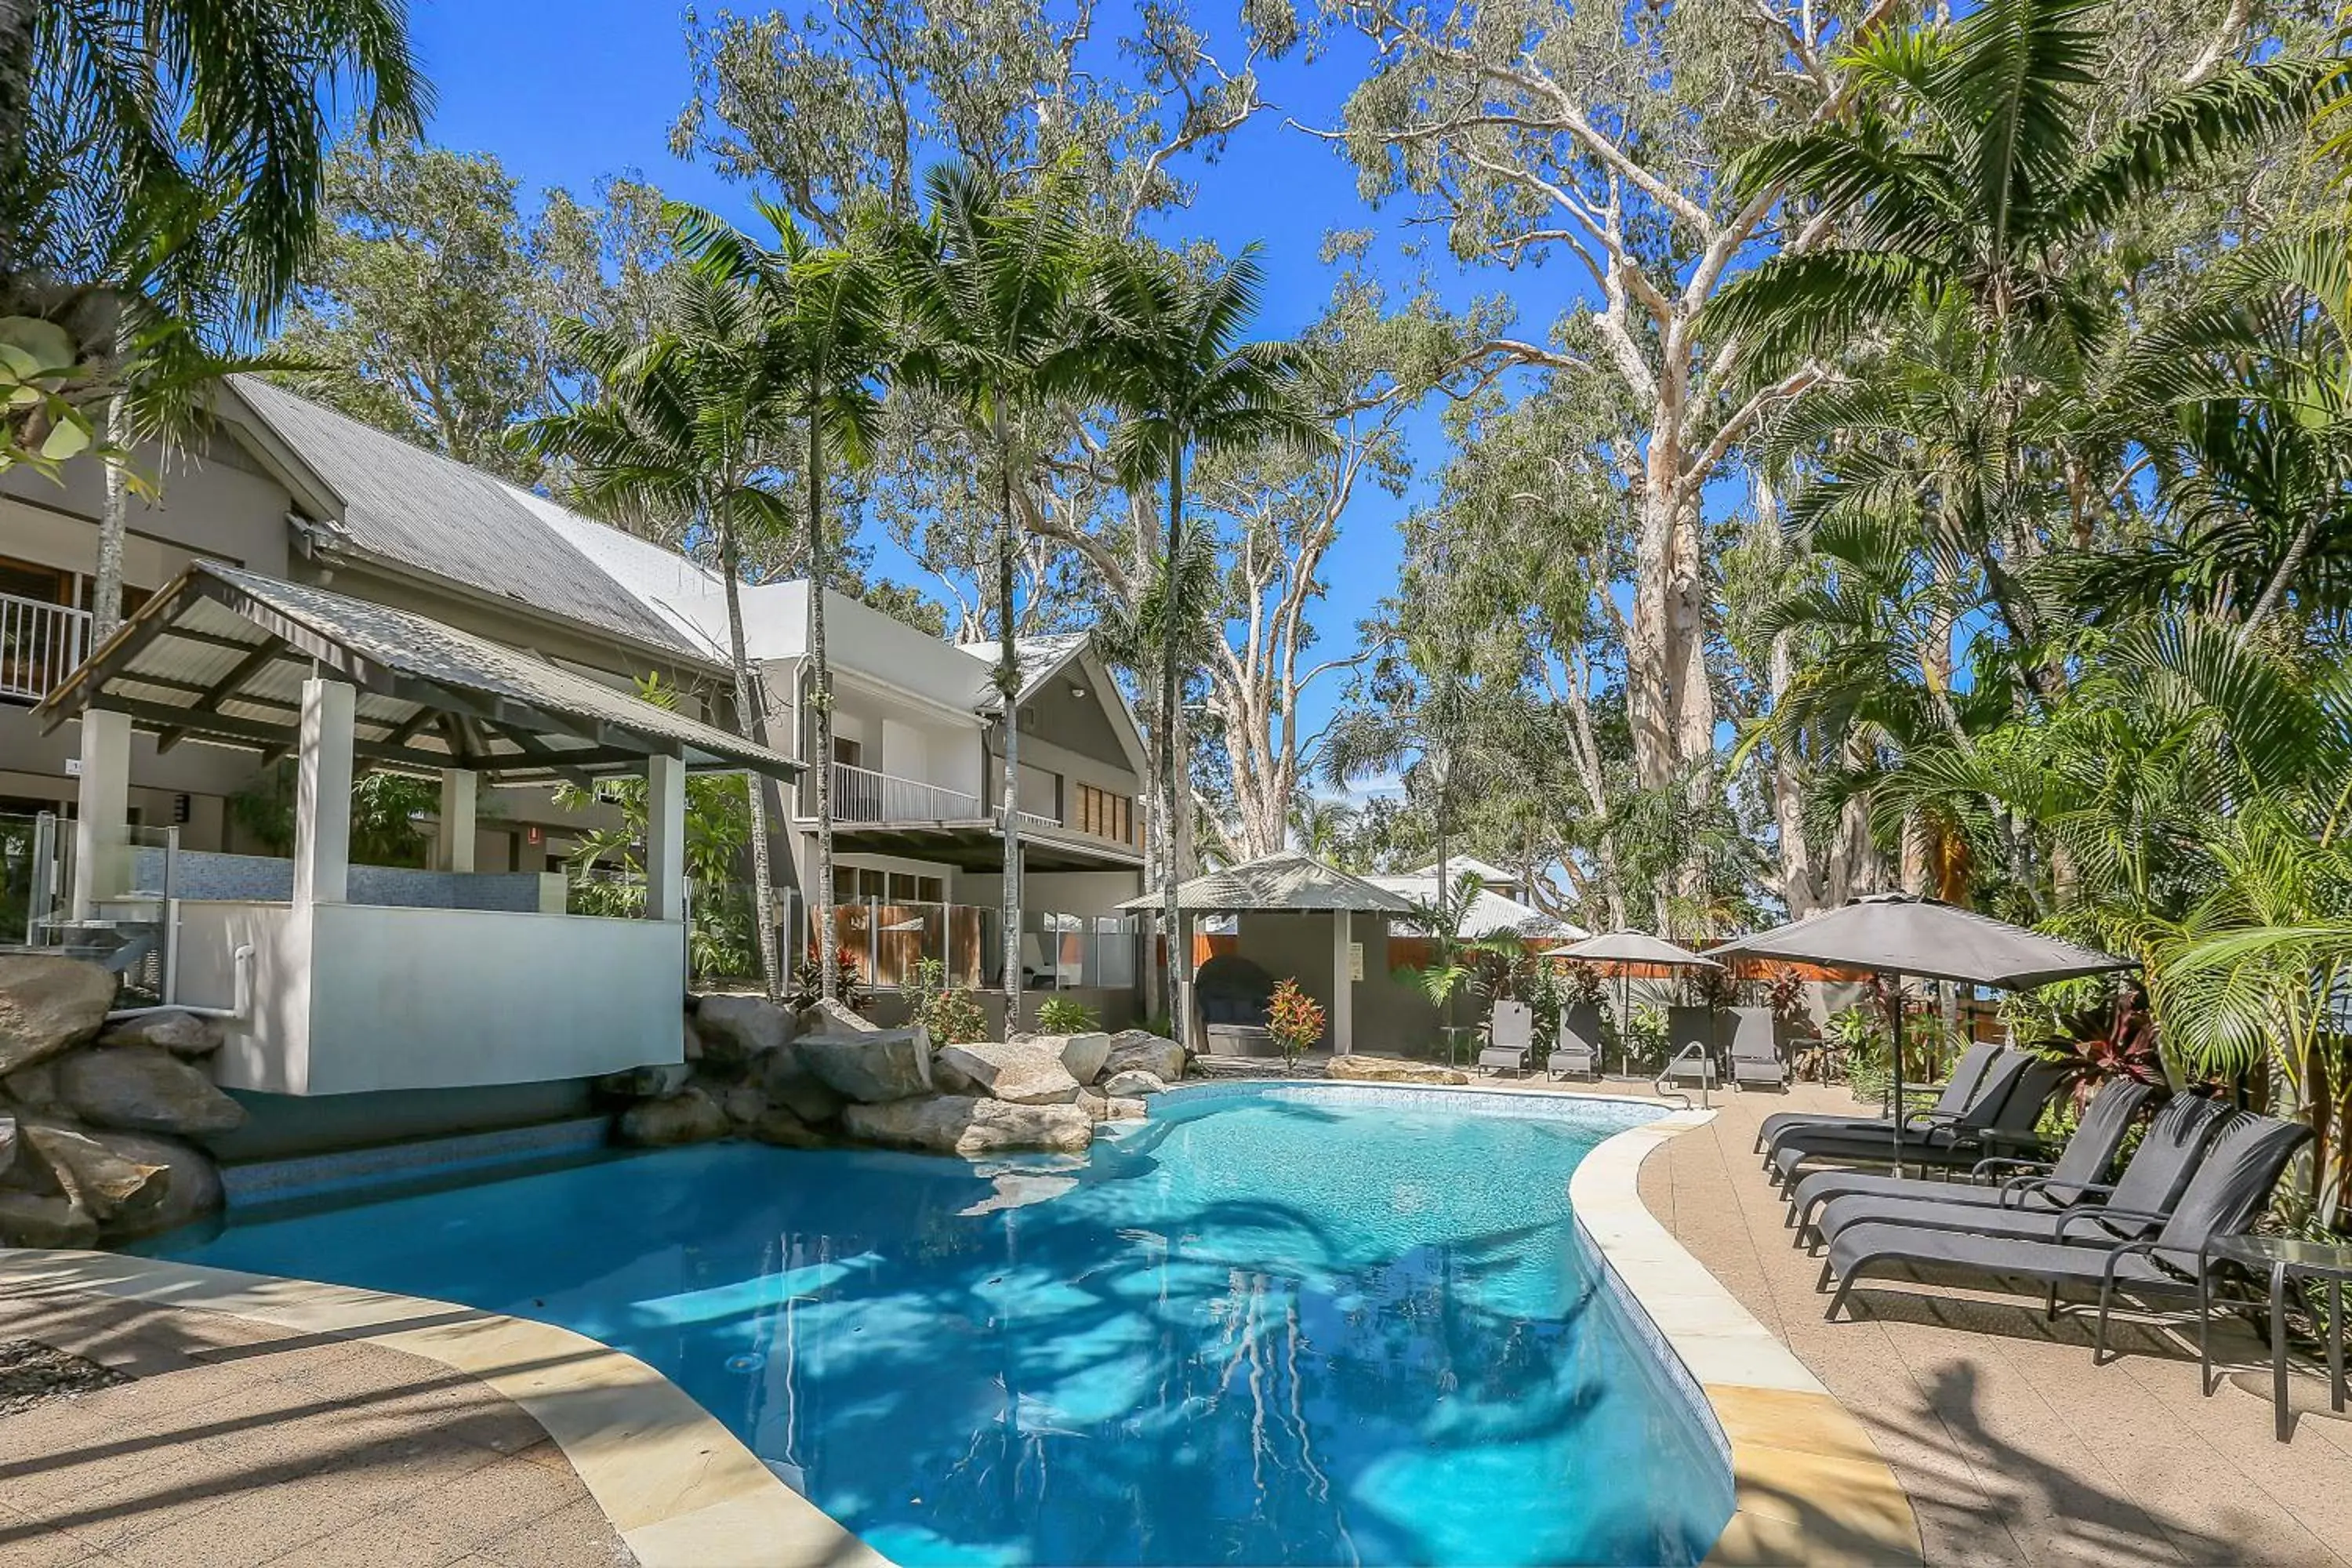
column 236, row 1444
column 2013, row 1447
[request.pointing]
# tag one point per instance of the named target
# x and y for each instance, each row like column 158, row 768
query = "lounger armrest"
column 2103, row 1214
column 2121, row 1250
column 2021, row 1170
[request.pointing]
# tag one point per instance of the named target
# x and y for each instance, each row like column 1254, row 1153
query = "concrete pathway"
column 235, row 1444
column 2013, row 1447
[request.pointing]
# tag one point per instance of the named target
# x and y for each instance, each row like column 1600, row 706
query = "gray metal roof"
column 222, row 653
column 1287, row 880
column 432, row 514
column 1041, row 659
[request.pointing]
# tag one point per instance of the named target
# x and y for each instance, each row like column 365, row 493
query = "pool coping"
column 1808, row 1485
column 679, row 1488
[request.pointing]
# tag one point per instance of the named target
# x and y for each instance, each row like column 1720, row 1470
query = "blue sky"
column 567, row 92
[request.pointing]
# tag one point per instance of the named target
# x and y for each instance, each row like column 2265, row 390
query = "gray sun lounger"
column 2023, row 1183
column 1578, row 1049
column 2152, row 1183
column 1510, row 1030
column 1756, row 1059
column 2228, row 1194
column 1954, row 1095
column 2007, row 1105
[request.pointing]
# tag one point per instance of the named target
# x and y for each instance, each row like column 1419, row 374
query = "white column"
column 102, row 814
column 1343, row 986
column 666, row 837
column 455, row 852
column 322, row 795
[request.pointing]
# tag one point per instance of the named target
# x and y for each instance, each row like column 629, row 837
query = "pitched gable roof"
column 427, row 514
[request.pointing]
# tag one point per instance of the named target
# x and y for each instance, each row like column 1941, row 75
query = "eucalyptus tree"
column 685, row 426
column 990, row 287
column 828, row 323
column 1183, row 383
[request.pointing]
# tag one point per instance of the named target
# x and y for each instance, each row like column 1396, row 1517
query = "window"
column 852, row 753
column 853, row 884
column 911, row 890
column 1104, row 815
column 42, row 585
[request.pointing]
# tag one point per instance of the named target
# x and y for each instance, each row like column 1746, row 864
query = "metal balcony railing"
column 861, row 795
column 40, row 644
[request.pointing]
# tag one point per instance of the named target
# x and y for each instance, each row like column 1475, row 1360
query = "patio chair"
column 1233, row 995
column 2230, row 1189
column 1690, row 1036
column 1756, row 1058
column 1510, row 1031
column 2022, row 1184
column 2004, row 1114
column 1578, row 1048
column 2153, row 1182
column 1953, row 1096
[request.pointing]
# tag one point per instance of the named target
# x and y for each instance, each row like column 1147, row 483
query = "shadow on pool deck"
column 236, row 1444
column 2015, row 1447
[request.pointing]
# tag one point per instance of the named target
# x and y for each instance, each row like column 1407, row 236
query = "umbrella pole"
column 1898, row 1075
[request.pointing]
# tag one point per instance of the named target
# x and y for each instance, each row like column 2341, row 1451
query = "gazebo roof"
column 220, row 656
column 1285, row 881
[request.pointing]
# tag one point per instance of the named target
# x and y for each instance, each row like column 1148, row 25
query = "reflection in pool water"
column 1304, row 1325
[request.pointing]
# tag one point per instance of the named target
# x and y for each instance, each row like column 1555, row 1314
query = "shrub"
column 1060, row 1015
column 807, row 987
column 953, row 1018
column 1295, row 1019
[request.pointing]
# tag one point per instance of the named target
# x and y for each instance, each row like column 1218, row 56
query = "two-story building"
column 295, row 491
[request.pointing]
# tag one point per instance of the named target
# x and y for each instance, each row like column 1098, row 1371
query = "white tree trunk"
column 106, row 594
column 752, row 723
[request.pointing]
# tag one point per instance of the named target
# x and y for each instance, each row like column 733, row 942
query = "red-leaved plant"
column 1295, row 1019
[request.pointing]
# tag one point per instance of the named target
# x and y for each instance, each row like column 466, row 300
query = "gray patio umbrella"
column 1631, row 947
column 1901, row 934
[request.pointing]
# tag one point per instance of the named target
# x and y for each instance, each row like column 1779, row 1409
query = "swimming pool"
column 1308, row 1325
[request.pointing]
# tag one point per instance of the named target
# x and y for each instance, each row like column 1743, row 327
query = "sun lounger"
column 2007, row 1183
column 1578, row 1048
column 1510, row 1030
column 2224, row 1198
column 1954, row 1094
column 2003, row 1115
column 2151, row 1181
column 1756, row 1059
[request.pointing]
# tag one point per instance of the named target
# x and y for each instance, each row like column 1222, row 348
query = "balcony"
column 40, row 645
column 861, row 795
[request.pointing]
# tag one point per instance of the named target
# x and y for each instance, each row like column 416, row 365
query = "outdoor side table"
column 1454, row 1034
column 2281, row 1259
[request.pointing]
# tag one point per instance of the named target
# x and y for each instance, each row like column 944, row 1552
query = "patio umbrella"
column 1623, row 951
column 1902, row 934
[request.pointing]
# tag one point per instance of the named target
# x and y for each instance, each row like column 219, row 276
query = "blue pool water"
column 1301, row 1325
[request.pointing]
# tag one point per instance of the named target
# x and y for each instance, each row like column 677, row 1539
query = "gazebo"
column 1286, row 883
column 339, row 979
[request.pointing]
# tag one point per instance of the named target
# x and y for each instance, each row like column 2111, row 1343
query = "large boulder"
column 182, row 1034
column 785, row 1077
column 1389, row 1069
column 654, row 1082
column 737, row 1028
column 780, row 1128
column 107, row 1186
column 34, row 1088
column 48, row 1005
column 29, row 1219
column 142, row 1088
column 1082, row 1055
column 1096, row 1107
column 1025, row 1072
column 689, row 1117
column 1122, row 1107
column 190, row 1191
column 1143, row 1051
column 10, row 1138
column 832, row 1017
column 1134, row 1083
column 871, row 1068
column 965, row 1124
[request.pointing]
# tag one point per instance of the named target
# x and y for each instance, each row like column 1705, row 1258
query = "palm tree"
column 1965, row 183
column 988, row 288
column 162, row 150
column 828, row 320
column 1319, row 825
column 1175, row 371
column 682, row 429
